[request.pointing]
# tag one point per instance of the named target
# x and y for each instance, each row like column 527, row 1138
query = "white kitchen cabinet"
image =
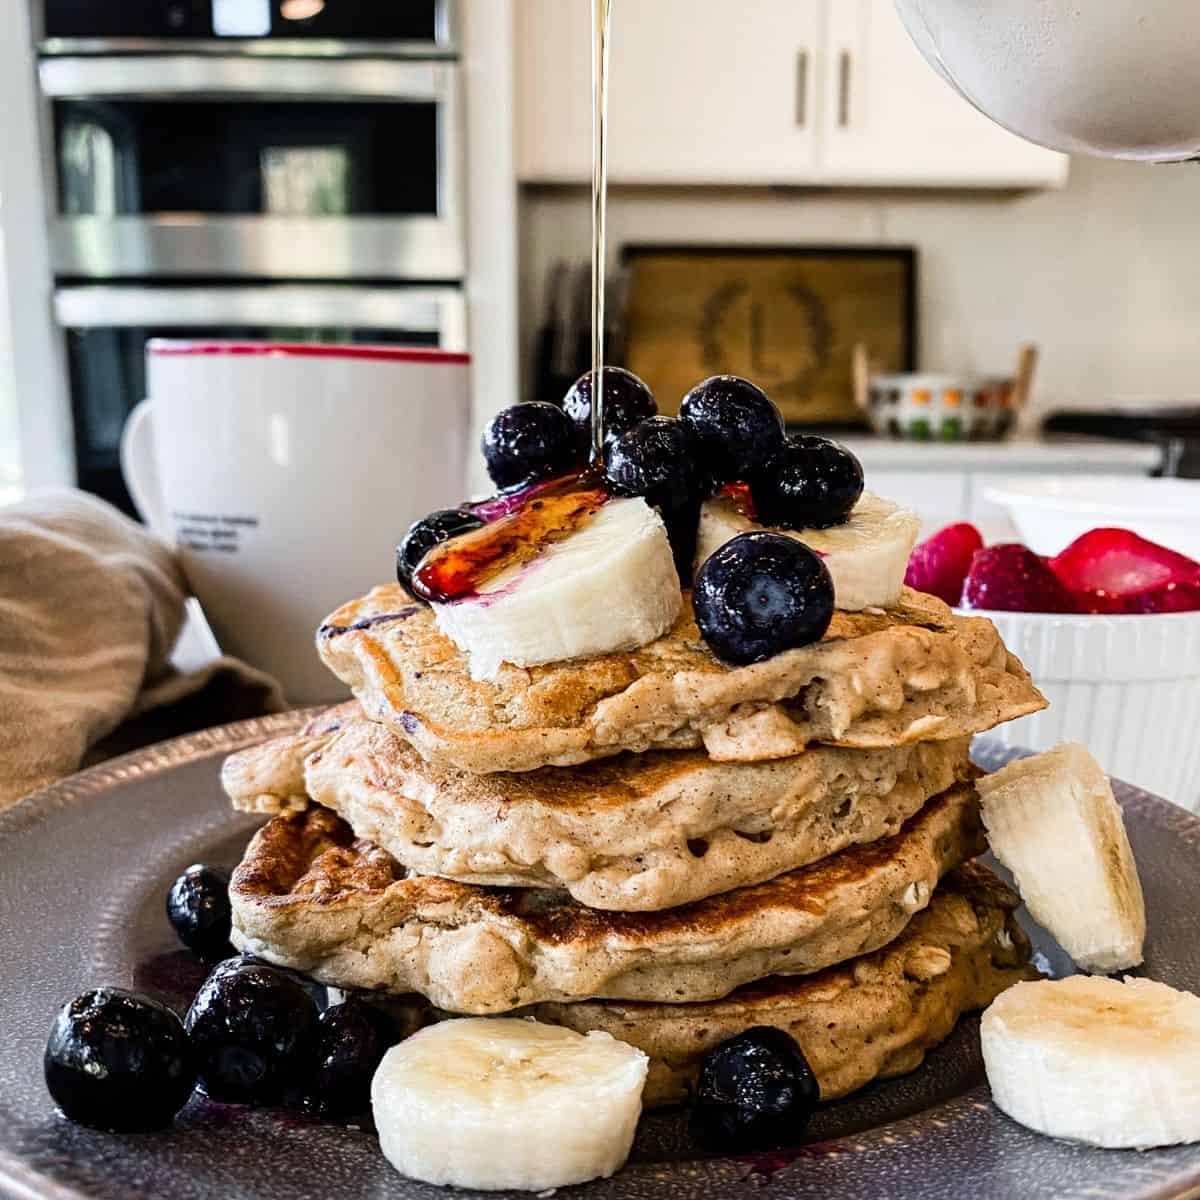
column 799, row 92
column 891, row 119
column 944, row 483
column 693, row 99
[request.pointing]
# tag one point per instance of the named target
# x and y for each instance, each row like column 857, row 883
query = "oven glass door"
column 409, row 23
column 300, row 158
column 106, row 330
column 273, row 168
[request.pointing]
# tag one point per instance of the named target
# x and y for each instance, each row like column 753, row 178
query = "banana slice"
column 611, row 585
column 867, row 556
column 1053, row 822
column 1098, row 1061
column 503, row 1103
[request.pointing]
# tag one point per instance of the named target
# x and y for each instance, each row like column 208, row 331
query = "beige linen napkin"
column 90, row 606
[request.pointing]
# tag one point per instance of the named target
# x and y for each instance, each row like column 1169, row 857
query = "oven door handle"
column 440, row 311
column 157, row 77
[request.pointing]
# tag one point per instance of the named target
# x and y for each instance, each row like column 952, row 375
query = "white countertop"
column 1020, row 455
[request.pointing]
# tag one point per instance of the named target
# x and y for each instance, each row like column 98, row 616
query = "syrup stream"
column 519, row 528
column 601, row 29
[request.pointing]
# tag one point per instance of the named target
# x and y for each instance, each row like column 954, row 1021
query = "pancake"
column 269, row 778
column 308, row 896
column 878, row 679
column 872, row 1018
column 632, row 833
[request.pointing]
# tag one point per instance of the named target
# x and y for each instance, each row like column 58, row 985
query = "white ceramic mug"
column 286, row 474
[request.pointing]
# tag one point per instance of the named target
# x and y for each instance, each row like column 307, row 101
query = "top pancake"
column 877, row 679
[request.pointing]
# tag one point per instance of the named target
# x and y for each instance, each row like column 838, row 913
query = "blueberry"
column 756, row 1092
column 352, row 1038
column 737, row 424
column 198, row 909
column 658, row 459
column 683, row 526
column 254, row 1032
column 809, row 483
column 627, row 401
column 428, row 532
column 529, row 442
column 119, row 1061
column 760, row 594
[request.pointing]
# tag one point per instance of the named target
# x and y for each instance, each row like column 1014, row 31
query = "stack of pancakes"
column 651, row 843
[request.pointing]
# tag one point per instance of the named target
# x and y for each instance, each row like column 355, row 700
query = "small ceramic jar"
column 941, row 408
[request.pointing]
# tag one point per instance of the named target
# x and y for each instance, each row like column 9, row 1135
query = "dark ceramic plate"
column 83, row 870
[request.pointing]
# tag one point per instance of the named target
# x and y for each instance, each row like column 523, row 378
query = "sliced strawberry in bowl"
column 1011, row 578
column 1173, row 598
column 940, row 564
column 1116, row 571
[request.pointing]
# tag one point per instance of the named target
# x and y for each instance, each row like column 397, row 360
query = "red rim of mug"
column 411, row 354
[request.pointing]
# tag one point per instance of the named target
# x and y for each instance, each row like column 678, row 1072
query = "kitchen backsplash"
column 1102, row 275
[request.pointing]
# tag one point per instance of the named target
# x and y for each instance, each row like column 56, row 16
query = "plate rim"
column 18, row 1180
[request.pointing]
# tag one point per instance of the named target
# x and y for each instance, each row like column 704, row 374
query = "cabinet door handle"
column 843, row 106
column 802, row 88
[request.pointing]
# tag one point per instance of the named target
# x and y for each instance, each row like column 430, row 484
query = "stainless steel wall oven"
column 277, row 168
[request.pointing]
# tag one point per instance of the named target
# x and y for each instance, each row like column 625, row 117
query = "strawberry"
column 940, row 564
column 1116, row 571
column 1173, row 598
column 1011, row 578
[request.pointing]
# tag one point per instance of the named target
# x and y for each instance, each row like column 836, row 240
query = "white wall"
column 1104, row 275
column 487, row 31
column 34, row 370
column 10, row 437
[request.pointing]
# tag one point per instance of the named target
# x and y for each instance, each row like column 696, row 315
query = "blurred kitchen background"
column 792, row 185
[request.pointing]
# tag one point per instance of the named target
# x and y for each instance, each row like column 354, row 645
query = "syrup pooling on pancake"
column 465, row 566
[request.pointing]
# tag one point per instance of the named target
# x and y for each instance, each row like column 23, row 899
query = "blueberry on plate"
column 118, row 1061
column 809, row 483
column 428, row 532
column 737, row 425
column 756, row 1092
column 760, row 594
column 352, row 1038
column 199, row 912
column 528, row 442
column 627, row 402
column 254, row 1032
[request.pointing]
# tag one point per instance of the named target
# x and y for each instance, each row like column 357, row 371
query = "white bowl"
column 1051, row 513
column 1114, row 78
column 1126, row 687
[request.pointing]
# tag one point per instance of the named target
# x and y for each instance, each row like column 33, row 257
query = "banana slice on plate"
column 1098, row 1061
column 867, row 556
column 609, row 585
column 1053, row 822
column 505, row 1103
